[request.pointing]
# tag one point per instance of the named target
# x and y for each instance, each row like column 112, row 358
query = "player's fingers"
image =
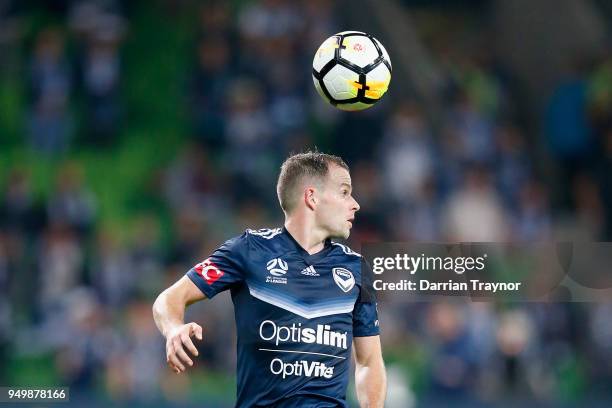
column 197, row 330
column 175, row 364
column 180, row 352
column 174, row 360
column 172, row 366
column 190, row 346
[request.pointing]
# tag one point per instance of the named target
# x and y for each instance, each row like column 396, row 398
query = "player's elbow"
column 373, row 362
column 165, row 302
column 158, row 305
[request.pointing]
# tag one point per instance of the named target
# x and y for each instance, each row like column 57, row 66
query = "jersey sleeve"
column 223, row 269
column 365, row 313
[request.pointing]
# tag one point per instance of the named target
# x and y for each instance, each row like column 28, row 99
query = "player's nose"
column 355, row 205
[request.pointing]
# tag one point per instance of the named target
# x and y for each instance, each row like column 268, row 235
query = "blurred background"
column 137, row 136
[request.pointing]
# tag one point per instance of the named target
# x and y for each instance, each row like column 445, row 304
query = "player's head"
column 318, row 185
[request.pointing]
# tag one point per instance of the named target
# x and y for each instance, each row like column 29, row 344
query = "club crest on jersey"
column 343, row 278
column 277, row 268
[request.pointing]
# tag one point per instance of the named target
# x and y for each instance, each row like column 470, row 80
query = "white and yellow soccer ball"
column 351, row 70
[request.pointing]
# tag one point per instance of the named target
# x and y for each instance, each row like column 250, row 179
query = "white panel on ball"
column 352, row 107
column 359, row 50
column 341, row 82
column 318, row 88
column 325, row 53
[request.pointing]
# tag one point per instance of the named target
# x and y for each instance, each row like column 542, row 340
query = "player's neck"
column 310, row 238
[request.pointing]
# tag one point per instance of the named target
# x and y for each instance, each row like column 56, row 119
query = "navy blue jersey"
column 296, row 316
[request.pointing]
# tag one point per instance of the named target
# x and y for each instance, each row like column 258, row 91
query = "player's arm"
column 370, row 376
column 221, row 271
column 169, row 312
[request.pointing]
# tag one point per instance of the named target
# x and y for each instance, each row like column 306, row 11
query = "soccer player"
column 301, row 301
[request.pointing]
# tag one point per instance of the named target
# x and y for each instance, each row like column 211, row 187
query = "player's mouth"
column 350, row 221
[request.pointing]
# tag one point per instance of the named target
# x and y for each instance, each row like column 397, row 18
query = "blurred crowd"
column 76, row 291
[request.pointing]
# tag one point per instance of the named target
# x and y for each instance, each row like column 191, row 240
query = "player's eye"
column 345, row 192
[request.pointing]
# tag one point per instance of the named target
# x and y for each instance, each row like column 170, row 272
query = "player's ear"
column 310, row 198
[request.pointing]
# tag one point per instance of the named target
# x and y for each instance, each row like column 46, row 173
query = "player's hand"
column 177, row 340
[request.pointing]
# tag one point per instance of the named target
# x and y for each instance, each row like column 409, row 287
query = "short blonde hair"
column 301, row 166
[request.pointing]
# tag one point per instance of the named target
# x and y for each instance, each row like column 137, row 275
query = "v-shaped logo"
column 343, row 278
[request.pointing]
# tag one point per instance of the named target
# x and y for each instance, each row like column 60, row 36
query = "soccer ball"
column 351, row 70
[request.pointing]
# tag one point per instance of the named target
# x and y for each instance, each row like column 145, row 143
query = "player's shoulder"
column 250, row 236
column 344, row 249
column 265, row 239
column 263, row 233
column 235, row 244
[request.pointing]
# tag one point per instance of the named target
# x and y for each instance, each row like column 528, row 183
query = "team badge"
column 343, row 278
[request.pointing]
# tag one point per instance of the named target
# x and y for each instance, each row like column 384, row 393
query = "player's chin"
column 341, row 233
column 345, row 233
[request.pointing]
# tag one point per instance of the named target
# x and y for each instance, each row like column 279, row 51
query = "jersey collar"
column 327, row 245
